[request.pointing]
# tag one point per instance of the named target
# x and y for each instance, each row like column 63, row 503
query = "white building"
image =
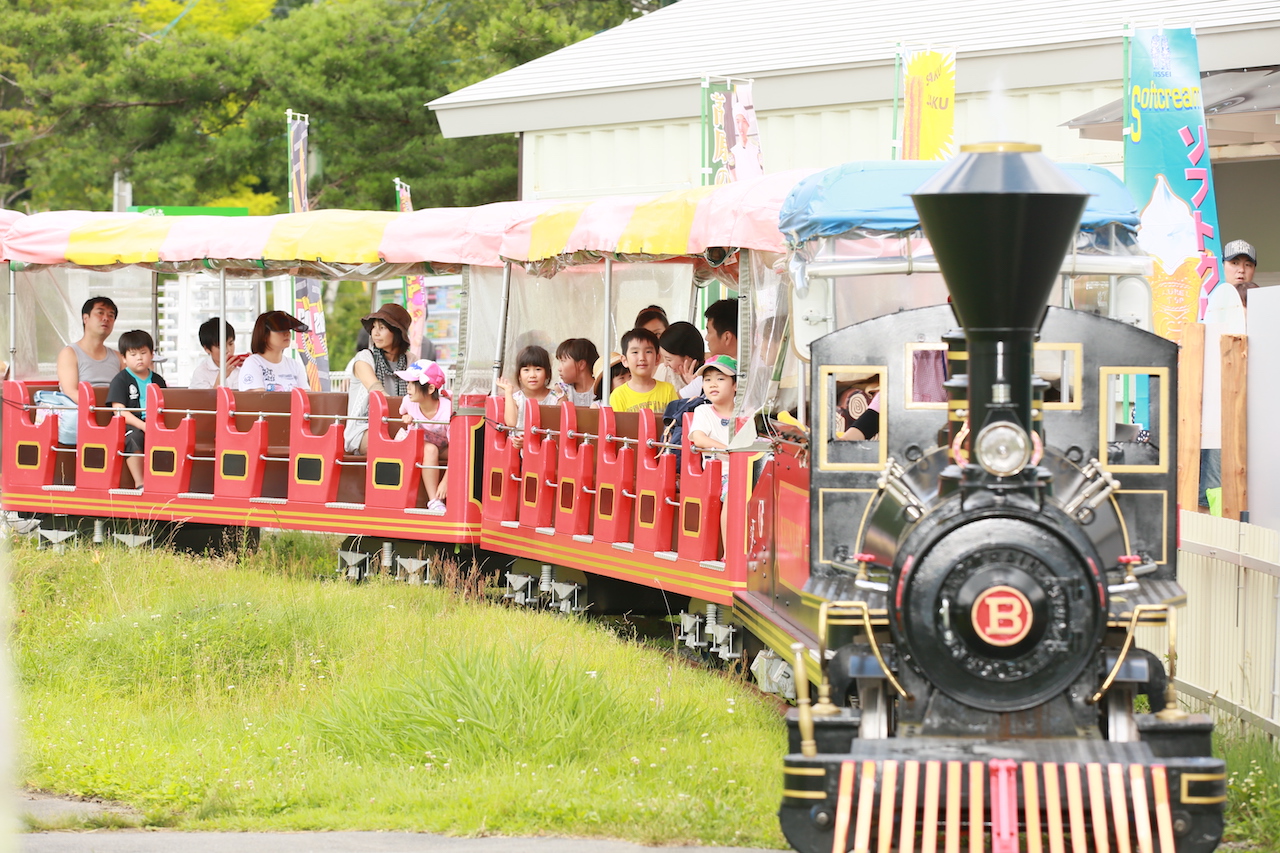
column 620, row 112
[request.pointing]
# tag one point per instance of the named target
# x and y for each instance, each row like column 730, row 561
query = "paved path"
column 49, row 810
column 117, row 841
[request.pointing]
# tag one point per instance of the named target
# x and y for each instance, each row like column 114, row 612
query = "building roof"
column 767, row 38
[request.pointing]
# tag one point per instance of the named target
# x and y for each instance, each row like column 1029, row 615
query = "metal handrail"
column 235, row 413
column 390, row 420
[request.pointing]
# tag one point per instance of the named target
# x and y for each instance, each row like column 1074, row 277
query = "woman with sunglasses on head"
column 268, row 368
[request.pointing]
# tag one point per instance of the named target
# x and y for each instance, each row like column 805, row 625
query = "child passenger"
column 128, row 393
column 533, row 373
column 427, row 407
column 712, row 425
column 574, row 359
column 642, row 390
column 206, row 373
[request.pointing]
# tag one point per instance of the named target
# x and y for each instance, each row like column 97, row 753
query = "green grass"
column 1253, row 788
column 244, row 693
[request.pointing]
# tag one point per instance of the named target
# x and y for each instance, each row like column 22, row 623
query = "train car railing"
column 99, row 440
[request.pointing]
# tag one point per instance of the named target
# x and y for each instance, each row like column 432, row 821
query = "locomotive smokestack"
column 1000, row 218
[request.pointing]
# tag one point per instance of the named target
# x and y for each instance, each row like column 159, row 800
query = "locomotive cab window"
column 1133, row 418
column 1061, row 365
column 925, row 374
column 851, row 417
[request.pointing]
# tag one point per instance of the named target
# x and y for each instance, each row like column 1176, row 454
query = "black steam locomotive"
column 985, row 562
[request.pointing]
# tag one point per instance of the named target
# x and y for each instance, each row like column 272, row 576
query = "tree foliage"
column 187, row 97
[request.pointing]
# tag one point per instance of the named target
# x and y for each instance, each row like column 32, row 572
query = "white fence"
column 1229, row 631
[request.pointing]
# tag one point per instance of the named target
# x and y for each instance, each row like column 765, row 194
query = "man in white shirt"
column 206, row 373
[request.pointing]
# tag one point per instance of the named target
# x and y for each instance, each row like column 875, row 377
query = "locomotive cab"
column 985, row 560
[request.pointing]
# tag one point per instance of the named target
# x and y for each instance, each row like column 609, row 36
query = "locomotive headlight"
column 1002, row 448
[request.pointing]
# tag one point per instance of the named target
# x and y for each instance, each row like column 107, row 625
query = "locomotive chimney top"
column 1000, row 218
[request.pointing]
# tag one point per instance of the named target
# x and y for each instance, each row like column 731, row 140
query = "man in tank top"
column 88, row 359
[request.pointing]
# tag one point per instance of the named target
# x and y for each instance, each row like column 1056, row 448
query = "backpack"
column 673, row 421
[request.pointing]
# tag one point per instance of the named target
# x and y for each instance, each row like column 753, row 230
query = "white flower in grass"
column 635, row 760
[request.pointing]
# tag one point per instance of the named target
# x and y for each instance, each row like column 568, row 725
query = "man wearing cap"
column 1240, row 261
column 376, row 367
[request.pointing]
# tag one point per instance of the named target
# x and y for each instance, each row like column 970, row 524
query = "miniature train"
column 965, row 601
column 980, row 585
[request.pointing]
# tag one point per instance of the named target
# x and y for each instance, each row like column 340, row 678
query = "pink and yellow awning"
column 375, row 244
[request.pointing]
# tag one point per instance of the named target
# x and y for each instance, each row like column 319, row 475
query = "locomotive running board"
column 774, row 629
column 949, row 804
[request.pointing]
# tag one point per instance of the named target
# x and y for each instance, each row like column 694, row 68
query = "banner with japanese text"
column 308, row 305
column 415, row 286
column 929, row 104
column 1166, row 167
column 730, row 133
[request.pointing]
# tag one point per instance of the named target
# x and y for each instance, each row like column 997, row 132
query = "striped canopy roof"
column 375, row 244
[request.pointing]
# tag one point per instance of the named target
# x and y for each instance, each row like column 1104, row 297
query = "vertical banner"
column 1166, row 167
column 308, row 303
column 415, row 286
column 929, row 104
column 730, row 132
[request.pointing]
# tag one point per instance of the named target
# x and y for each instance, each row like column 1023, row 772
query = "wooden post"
column 1190, row 393
column 1235, row 371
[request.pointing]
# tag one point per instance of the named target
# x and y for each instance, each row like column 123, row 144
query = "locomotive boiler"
column 983, row 563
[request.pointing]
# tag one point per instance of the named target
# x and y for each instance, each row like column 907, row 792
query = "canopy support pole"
column 606, row 351
column 222, row 326
column 13, row 316
column 155, row 308
column 502, row 328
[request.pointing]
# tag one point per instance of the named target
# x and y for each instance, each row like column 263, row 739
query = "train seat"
column 391, row 473
column 251, row 444
column 577, row 469
column 655, row 488
column 615, row 475
column 698, row 533
column 30, row 457
column 501, row 501
column 100, row 436
column 538, row 467
column 180, row 440
column 316, row 448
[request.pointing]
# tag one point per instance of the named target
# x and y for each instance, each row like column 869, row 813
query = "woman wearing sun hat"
column 376, row 367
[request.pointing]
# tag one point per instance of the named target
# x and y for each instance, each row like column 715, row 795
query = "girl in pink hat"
column 426, row 406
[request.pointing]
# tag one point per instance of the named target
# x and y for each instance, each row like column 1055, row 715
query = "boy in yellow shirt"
column 642, row 391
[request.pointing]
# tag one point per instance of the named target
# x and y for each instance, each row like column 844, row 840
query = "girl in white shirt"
column 267, row 369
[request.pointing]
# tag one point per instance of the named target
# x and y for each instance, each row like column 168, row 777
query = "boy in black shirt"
column 128, row 393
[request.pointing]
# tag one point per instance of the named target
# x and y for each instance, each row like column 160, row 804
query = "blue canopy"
column 875, row 195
